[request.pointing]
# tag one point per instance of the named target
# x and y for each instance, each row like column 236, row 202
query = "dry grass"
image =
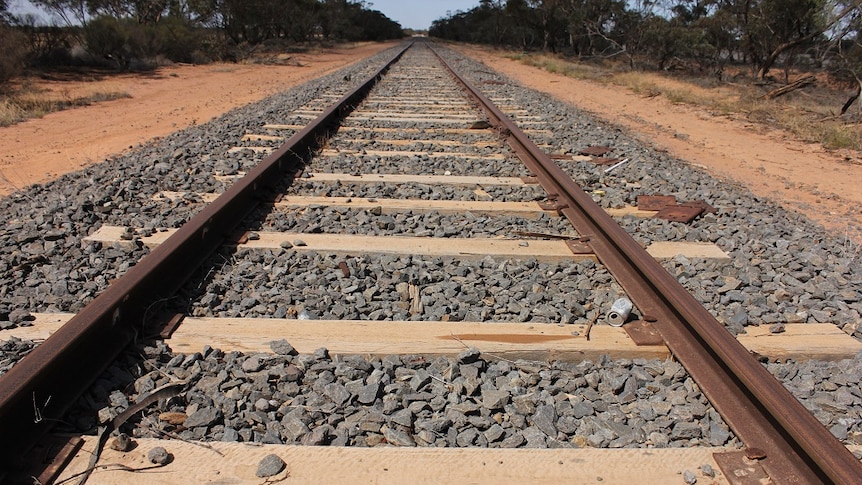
column 26, row 101
column 809, row 115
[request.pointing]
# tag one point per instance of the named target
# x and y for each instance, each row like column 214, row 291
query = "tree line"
column 696, row 35
column 124, row 32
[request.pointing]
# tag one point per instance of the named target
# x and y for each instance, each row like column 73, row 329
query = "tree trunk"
column 853, row 98
column 767, row 64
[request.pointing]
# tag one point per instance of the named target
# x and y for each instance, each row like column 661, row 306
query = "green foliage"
column 140, row 32
column 108, row 38
column 695, row 35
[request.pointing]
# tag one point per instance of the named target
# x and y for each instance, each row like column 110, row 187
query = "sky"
column 418, row 14
column 411, row 14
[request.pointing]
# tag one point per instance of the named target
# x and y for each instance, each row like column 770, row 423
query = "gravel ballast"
column 783, row 268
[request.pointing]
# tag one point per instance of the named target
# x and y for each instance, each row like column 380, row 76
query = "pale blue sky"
column 411, row 14
column 418, row 14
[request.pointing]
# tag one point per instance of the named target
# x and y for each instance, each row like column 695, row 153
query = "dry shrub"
column 807, row 117
column 12, row 54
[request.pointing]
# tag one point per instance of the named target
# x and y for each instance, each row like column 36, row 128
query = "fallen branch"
column 798, row 84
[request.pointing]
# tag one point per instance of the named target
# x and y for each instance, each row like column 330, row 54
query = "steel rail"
column 40, row 388
column 781, row 435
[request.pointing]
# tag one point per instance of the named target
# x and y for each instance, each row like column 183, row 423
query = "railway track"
column 393, row 265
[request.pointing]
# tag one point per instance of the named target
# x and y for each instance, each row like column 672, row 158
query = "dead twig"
column 107, row 466
column 164, row 392
column 154, row 427
column 590, row 325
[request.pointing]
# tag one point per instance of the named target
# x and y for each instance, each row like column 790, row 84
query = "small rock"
column 368, row 393
column 685, row 430
column 514, row 441
column 707, row 471
column 403, row 417
column 398, row 438
column 777, row 328
column 337, row 393
column 269, row 466
column 159, row 456
column 544, row 420
column 261, row 405
column 121, row 443
column 230, row 435
column 469, row 356
column 299, row 243
column 252, row 364
column 203, row 417
column 19, row 316
column 282, row 347
column 318, row 437
column 286, row 244
column 307, row 315
column 689, row 477
column 492, row 399
column 494, row 433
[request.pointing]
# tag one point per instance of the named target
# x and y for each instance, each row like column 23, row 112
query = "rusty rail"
column 780, row 434
column 37, row 391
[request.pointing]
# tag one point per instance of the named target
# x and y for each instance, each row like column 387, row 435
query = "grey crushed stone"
column 269, row 466
column 159, row 456
column 414, row 401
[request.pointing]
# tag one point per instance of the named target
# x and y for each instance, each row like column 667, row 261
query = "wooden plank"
column 537, row 341
column 283, row 127
column 426, row 113
column 801, row 341
column 255, row 137
column 438, row 131
column 672, row 249
column 109, row 235
column 447, row 143
column 417, row 103
column 555, row 250
column 404, row 153
column 391, row 206
column 455, row 113
column 630, row 211
column 415, row 119
column 252, row 149
column 370, row 178
column 224, row 463
column 531, row 341
column 411, row 179
column 428, row 246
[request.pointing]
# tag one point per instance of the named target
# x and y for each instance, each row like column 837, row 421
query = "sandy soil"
column 168, row 100
column 824, row 185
